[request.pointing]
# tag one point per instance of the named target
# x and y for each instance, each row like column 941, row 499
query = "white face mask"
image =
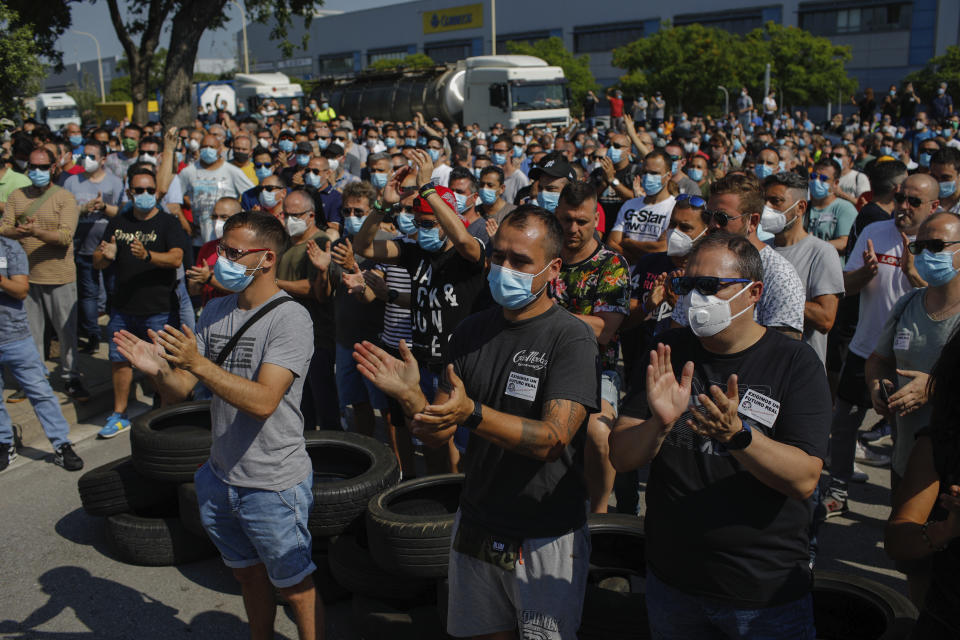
column 334, row 164
column 90, row 165
column 679, row 243
column 774, row 221
column 218, row 228
column 709, row 315
column 295, row 226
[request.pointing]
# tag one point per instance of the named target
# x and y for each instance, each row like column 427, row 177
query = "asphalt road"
column 59, row 581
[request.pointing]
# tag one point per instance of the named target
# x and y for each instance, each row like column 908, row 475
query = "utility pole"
column 243, row 27
column 493, row 27
column 103, row 94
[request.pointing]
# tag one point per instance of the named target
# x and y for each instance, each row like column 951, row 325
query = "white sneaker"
column 868, row 456
column 859, row 475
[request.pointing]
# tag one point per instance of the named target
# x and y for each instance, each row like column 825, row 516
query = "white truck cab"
column 57, row 110
column 514, row 91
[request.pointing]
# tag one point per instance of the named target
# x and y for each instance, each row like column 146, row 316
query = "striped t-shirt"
column 396, row 318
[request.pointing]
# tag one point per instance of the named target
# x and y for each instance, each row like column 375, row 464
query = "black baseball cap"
column 304, row 147
column 555, row 168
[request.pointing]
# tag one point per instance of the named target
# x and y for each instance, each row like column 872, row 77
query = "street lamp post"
column 726, row 100
column 493, row 27
column 243, row 27
column 103, row 94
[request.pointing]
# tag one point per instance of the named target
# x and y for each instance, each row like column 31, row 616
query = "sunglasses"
column 695, row 201
column 297, row 215
column 933, row 246
column 822, row 177
column 339, row 139
column 720, row 217
column 261, row 165
column 235, row 254
column 272, row 187
column 425, row 224
column 914, row 201
column 139, row 190
column 707, row 285
column 352, row 211
column 316, row 171
column 41, row 167
column 404, row 209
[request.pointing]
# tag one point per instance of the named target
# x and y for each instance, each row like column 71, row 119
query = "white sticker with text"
column 901, row 342
column 759, row 407
column 521, row 386
column 3, row 262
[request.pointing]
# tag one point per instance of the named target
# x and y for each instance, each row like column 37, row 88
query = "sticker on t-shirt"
column 759, row 407
column 901, row 342
column 3, row 262
column 521, row 386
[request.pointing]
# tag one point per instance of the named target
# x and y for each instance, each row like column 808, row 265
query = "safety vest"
column 326, row 115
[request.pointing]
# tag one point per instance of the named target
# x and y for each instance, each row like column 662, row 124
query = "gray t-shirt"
column 205, row 187
column 13, row 317
column 915, row 340
column 90, row 226
column 512, row 184
column 818, row 265
column 246, row 452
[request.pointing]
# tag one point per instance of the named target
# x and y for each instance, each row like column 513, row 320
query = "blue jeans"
column 187, row 315
column 88, row 297
column 675, row 615
column 319, row 405
column 250, row 526
column 137, row 325
column 23, row 359
column 352, row 387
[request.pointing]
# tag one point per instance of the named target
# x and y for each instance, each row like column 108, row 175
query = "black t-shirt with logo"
column 516, row 367
column 142, row 288
column 444, row 289
column 713, row 529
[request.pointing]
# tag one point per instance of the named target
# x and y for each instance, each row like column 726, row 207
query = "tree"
column 21, row 73
column 576, row 69
column 410, row 61
column 49, row 20
column 807, row 69
column 685, row 63
column 945, row 68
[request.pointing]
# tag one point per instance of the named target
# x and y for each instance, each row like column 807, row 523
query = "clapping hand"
column 319, row 258
column 668, row 398
column 108, row 249
column 343, row 255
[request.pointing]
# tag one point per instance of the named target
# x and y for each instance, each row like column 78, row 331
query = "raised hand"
column 397, row 378
column 424, row 166
column 199, row 274
column 144, row 356
column 668, row 399
column 354, row 282
column 492, row 226
column 377, row 284
column 343, row 255
column 454, row 411
column 319, row 258
column 180, row 347
column 108, row 249
column 870, row 262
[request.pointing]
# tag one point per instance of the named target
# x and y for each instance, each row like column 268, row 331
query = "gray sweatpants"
column 59, row 302
column 542, row 598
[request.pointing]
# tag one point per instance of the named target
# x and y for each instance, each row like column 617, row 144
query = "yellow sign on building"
column 469, row 16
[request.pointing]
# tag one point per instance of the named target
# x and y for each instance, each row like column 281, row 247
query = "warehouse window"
column 739, row 22
column 441, row 52
column 605, row 37
column 336, row 63
column 529, row 37
column 828, row 20
column 393, row 53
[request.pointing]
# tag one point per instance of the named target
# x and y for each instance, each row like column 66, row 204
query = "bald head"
column 942, row 225
column 298, row 202
column 923, row 185
column 226, row 207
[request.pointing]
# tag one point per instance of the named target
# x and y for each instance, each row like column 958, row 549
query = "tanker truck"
column 512, row 90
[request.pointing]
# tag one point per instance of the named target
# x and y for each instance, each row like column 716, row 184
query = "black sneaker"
column 8, row 453
column 17, row 396
column 91, row 346
column 66, row 458
column 77, row 391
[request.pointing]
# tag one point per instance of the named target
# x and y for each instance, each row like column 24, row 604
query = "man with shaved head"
column 882, row 271
column 618, row 173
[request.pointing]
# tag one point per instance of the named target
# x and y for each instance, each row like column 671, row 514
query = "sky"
column 95, row 19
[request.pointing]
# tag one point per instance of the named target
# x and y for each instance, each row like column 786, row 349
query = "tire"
column 189, row 509
column 377, row 619
column 409, row 526
column 171, row 443
column 856, row 608
column 348, row 470
column 155, row 538
column 617, row 541
column 327, row 586
column 117, row 487
column 354, row 569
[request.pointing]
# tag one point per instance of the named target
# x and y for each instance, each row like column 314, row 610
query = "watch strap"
column 475, row 418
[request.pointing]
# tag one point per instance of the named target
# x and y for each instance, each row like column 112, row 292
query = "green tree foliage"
column 21, row 73
column 410, row 61
column 688, row 63
column 576, row 69
column 945, row 68
column 49, row 20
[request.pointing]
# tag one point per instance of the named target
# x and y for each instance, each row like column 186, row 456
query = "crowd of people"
column 547, row 309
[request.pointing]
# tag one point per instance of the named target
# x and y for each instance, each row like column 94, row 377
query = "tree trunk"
column 139, row 77
column 189, row 23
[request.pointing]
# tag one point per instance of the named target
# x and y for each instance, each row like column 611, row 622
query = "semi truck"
column 248, row 89
column 512, row 90
column 57, row 110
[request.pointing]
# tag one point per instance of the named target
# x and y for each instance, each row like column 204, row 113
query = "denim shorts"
column 250, row 526
column 352, row 386
column 610, row 390
column 135, row 324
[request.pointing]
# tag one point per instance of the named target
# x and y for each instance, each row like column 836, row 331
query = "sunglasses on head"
column 707, row 285
column 695, row 201
column 720, row 217
column 933, row 245
column 914, row 201
column 139, row 190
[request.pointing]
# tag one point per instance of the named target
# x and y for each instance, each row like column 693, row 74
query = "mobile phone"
column 885, row 391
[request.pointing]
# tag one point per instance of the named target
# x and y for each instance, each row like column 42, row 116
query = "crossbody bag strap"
column 264, row 310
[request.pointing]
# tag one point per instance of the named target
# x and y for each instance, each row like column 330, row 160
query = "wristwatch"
column 475, row 418
column 615, row 182
column 392, row 295
column 148, row 256
column 741, row 439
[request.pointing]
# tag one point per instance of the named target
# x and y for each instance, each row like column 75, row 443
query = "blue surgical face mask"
column 285, row 145
column 422, row 141
column 488, row 196
column 430, row 240
column 208, row 155
column 652, row 184
column 512, row 289
column 819, row 189
column 499, row 159
column 517, row 151
column 303, row 159
column 886, row 150
column 434, row 154
column 947, row 189
column 405, row 223
column 233, row 276
column 936, row 268
column 548, row 200
column 736, row 145
column 145, row 201
column 39, row 177
column 378, row 180
column 323, row 143
column 410, row 142
column 462, row 204
column 352, row 224
column 311, row 179
column 614, row 154
column 263, row 173
column 763, row 170
column 76, row 140
column 268, row 199
column 924, row 159
column 695, row 174
column 390, row 142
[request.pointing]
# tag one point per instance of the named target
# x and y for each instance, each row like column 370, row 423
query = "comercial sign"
column 469, row 16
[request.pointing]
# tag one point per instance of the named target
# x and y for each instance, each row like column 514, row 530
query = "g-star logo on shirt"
column 530, row 359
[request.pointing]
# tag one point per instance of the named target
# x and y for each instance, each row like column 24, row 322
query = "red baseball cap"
column 422, row 206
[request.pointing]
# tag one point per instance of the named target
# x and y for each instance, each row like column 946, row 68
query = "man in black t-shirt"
column 735, row 451
column 144, row 246
column 522, row 377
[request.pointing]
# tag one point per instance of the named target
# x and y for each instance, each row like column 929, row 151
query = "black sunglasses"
column 933, row 245
column 42, row 167
column 352, row 211
column 695, row 201
column 261, row 165
column 721, row 217
column 139, row 190
column 425, row 224
column 707, row 285
column 914, row 201
column 272, row 187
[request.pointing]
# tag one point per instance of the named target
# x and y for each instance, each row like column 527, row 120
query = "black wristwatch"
column 147, row 258
column 392, row 295
column 475, row 418
column 741, row 439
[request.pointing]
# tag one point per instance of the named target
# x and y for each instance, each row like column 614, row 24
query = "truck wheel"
column 171, row 443
column 117, row 487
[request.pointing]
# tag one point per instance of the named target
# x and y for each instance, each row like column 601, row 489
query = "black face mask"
column 241, row 157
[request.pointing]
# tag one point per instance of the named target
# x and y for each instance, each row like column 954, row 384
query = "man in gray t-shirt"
column 255, row 492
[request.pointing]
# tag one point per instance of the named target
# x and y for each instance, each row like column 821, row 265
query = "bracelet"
column 427, row 189
column 379, row 208
column 209, row 278
column 149, row 255
column 926, row 538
